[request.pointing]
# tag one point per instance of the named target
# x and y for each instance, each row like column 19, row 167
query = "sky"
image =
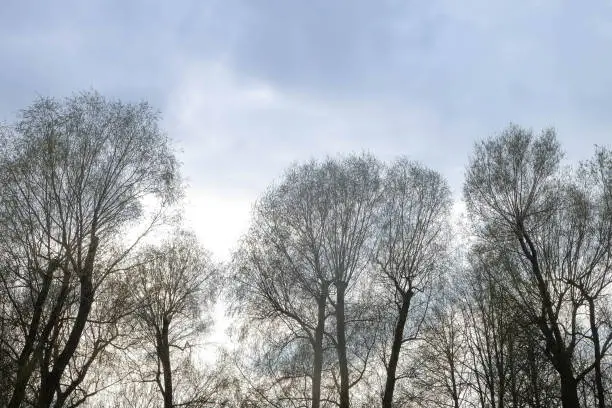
column 248, row 87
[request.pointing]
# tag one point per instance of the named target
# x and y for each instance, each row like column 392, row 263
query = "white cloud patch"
column 238, row 134
column 219, row 219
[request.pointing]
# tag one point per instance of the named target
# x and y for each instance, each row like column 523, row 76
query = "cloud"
column 238, row 134
column 218, row 219
column 248, row 87
column 241, row 132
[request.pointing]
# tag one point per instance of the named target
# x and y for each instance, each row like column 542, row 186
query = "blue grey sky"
column 247, row 87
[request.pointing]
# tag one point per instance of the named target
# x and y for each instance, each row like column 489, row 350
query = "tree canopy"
column 354, row 285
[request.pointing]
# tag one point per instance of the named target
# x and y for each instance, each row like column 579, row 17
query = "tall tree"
column 353, row 186
column 174, row 288
column 522, row 205
column 310, row 238
column 281, row 272
column 73, row 176
column 411, row 250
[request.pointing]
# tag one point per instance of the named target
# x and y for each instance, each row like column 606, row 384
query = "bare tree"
column 353, row 186
column 73, row 176
column 310, row 238
column 411, row 251
column 523, row 205
column 281, row 271
column 174, row 287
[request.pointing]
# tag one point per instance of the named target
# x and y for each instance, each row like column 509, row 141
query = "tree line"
column 355, row 285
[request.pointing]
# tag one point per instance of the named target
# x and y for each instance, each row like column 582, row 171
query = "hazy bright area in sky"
column 247, row 87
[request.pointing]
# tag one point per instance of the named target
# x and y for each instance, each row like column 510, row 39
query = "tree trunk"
column 164, row 356
column 398, row 338
column 513, row 374
column 550, row 327
column 318, row 347
column 51, row 381
column 533, row 375
column 501, row 377
column 25, row 365
column 569, row 391
column 601, row 400
column 341, row 345
column 454, row 391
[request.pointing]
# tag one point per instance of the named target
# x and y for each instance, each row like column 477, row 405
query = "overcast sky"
column 246, row 87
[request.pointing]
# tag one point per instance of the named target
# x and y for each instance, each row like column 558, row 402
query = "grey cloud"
column 499, row 61
column 125, row 49
column 478, row 62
